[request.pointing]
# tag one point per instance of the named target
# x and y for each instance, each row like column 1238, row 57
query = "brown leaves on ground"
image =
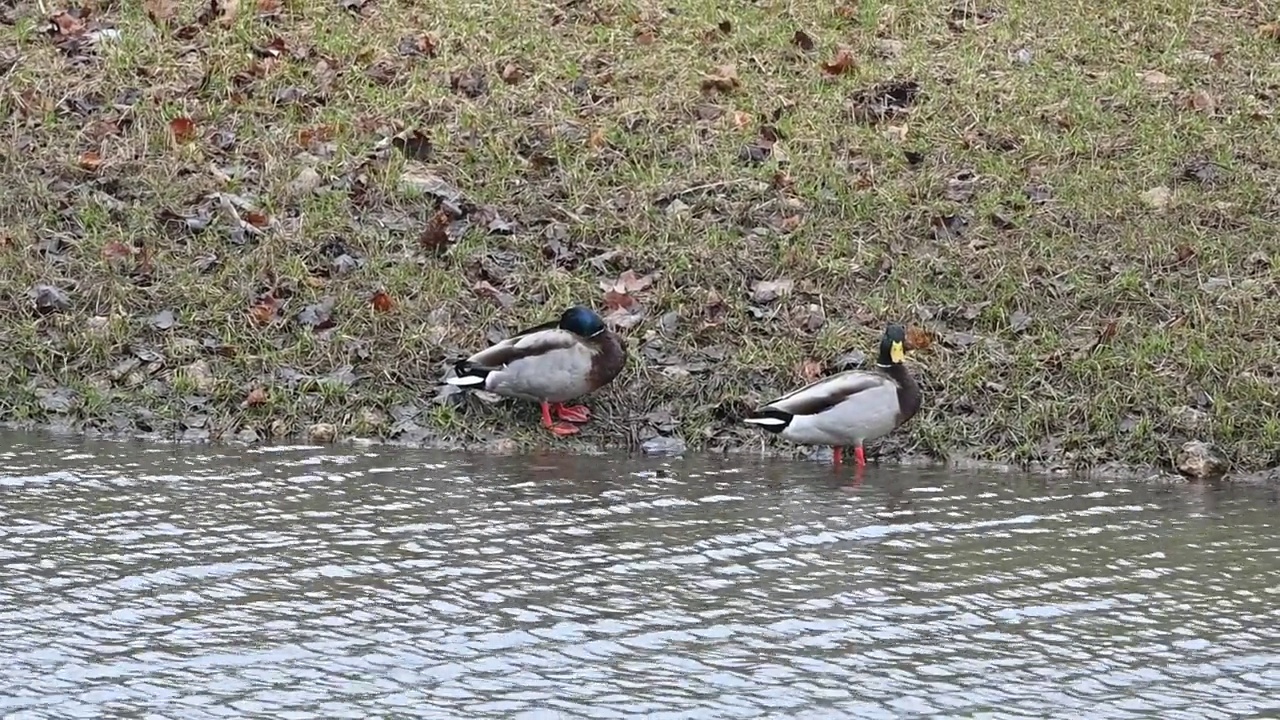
column 619, row 298
column 382, row 302
column 90, row 160
column 840, row 63
column 264, row 312
column 160, row 11
column 223, row 12
column 721, row 79
column 811, row 370
column 183, row 129
column 918, row 338
column 767, row 291
column 435, row 235
column 257, row 396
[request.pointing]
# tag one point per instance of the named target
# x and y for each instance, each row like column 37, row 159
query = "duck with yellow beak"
column 848, row 408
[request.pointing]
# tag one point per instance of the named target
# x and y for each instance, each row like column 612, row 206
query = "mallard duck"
column 848, row 408
column 549, row 364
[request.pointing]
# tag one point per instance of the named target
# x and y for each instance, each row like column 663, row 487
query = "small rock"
column 677, row 207
column 1023, row 56
column 247, row 435
column 663, row 446
column 1200, row 460
column 323, row 433
column 201, row 376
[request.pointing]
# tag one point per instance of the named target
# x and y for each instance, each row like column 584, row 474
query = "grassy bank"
column 242, row 220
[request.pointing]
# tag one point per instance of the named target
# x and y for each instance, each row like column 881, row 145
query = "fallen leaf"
column 425, row 44
column 163, row 320
column 1201, row 101
column 1157, row 197
column 802, row 40
column 741, row 119
column 1019, row 321
column 48, row 299
column 435, row 236
column 382, row 302
column 810, row 370
column 160, row 11
column 885, row 101
column 918, row 338
column 415, row 145
column 645, row 37
column 69, row 24
column 318, row 316
column 1154, row 78
column 90, row 160
column 723, row 79
column 227, row 10
column 263, row 312
column 257, row 396
column 766, row 291
column 629, row 283
column 485, row 289
column 840, row 63
column 183, row 129
column 256, row 218
column 512, row 73
column 470, row 82
column 269, row 8
column 116, row 250
column 614, row 300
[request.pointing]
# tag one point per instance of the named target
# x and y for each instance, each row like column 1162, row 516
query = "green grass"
column 1044, row 126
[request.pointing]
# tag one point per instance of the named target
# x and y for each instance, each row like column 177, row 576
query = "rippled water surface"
column 162, row 582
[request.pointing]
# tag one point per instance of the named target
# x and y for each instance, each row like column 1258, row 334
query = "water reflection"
column 349, row 582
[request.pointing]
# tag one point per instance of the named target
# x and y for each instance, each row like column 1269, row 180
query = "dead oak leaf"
column 722, row 79
column 840, row 63
column 614, row 300
column 160, row 11
column 629, row 283
column 90, row 160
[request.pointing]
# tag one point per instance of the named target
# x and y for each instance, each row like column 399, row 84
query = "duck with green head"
column 549, row 364
column 848, row 408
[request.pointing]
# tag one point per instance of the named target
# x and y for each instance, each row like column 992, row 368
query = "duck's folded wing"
column 531, row 343
column 828, row 392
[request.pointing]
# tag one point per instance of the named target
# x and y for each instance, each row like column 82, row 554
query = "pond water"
column 351, row 582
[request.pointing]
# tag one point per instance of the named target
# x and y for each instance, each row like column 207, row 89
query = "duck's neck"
column 908, row 390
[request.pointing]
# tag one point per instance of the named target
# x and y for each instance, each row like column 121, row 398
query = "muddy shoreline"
column 504, row 446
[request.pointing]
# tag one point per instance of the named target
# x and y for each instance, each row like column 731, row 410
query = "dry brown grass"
column 1079, row 205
